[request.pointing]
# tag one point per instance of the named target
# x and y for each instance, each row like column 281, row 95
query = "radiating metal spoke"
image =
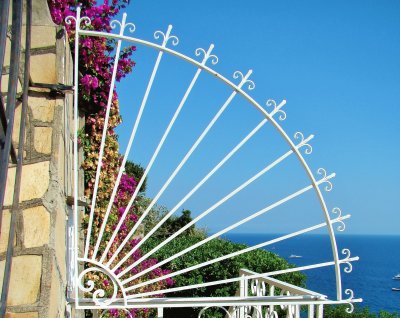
column 231, row 255
column 166, row 37
column 209, row 210
column 237, row 279
column 103, row 140
column 207, row 55
column 229, row 228
column 244, row 80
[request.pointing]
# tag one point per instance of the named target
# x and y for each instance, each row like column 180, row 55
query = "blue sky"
column 336, row 63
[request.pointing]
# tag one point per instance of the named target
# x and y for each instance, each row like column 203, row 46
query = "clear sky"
column 337, row 63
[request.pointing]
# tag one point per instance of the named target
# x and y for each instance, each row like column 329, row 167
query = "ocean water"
column 371, row 277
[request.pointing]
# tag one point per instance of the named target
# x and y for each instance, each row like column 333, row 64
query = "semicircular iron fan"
column 219, row 152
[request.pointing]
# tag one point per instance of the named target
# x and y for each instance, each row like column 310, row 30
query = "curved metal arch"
column 264, row 113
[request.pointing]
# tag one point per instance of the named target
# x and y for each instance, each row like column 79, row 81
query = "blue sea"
column 371, row 278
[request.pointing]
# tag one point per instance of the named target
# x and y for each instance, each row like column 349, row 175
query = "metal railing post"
column 12, row 90
column 16, row 31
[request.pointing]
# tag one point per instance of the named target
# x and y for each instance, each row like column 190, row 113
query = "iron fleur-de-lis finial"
column 207, row 55
column 277, row 108
column 304, row 142
column 325, row 179
column 123, row 25
column 166, row 37
column 244, row 79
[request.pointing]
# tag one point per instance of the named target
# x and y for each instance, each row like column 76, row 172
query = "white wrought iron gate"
column 259, row 293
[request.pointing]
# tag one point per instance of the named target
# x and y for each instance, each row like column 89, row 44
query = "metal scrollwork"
column 166, row 37
column 304, row 142
column 277, row 108
column 207, row 55
column 270, row 313
column 244, row 79
column 349, row 266
column 123, row 25
column 70, row 18
column 349, row 292
column 342, row 226
column 291, row 309
column 258, row 288
column 220, row 307
column 325, row 179
column 89, row 286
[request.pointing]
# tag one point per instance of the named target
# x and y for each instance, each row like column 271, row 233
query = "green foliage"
column 359, row 312
column 259, row 261
column 135, row 170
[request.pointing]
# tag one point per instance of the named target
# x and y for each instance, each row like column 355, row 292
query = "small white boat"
column 395, row 289
column 298, row 256
column 396, row 277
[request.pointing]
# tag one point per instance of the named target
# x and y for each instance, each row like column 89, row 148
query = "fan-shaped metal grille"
column 115, row 262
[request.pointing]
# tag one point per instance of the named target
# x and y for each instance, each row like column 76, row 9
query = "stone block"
column 5, row 230
column 43, row 36
column 4, row 84
column 36, row 226
column 42, row 139
column 34, row 183
column 26, row 273
column 43, row 68
column 17, row 126
column 7, row 52
column 22, row 315
column 42, row 108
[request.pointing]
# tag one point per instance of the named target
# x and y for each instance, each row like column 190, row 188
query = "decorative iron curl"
column 349, row 292
column 244, row 79
column 341, row 226
column 277, row 109
column 123, row 309
column 349, row 266
column 258, row 288
column 303, row 143
column 220, row 307
column 166, row 37
column 207, row 55
column 290, row 308
column 68, row 20
column 329, row 186
column 97, row 295
column 270, row 313
column 131, row 27
column 248, row 312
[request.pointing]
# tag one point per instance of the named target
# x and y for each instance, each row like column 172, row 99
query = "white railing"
column 271, row 287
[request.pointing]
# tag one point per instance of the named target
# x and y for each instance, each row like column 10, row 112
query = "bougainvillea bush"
column 96, row 63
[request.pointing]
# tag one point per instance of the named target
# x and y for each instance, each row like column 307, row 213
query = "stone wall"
column 39, row 273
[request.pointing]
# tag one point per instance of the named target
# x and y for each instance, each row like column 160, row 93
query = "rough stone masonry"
column 39, row 274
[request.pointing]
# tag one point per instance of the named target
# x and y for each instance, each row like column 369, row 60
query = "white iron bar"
column 128, row 148
column 103, row 140
column 262, row 111
column 209, row 210
column 76, row 154
column 176, row 207
column 186, row 157
column 173, row 210
column 237, row 279
column 220, row 301
column 164, row 137
column 233, row 226
column 231, row 255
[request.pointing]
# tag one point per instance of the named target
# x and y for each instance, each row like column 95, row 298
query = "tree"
column 135, row 170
